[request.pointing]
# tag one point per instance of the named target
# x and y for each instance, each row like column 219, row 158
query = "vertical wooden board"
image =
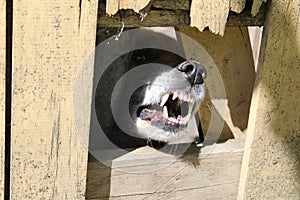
column 271, row 162
column 2, row 93
column 50, row 42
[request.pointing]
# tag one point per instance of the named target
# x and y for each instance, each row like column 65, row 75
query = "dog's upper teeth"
column 164, row 99
column 180, row 95
column 183, row 96
column 174, row 96
column 165, row 112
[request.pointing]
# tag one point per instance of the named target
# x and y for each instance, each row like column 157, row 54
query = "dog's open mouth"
column 173, row 111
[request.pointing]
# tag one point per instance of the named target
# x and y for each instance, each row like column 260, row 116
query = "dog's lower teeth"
column 165, row 112
column 171, row 119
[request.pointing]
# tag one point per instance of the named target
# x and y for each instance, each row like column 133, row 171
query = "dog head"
column 170, row 101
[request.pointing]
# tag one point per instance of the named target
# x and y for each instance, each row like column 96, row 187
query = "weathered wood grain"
column 271, row 163
column 149, row 174
column 2, row 93
column 49, row 157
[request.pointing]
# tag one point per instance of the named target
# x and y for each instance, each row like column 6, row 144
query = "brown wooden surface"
column 271, row 162
column 2, row 93
column 50, row 42
column 212, row 174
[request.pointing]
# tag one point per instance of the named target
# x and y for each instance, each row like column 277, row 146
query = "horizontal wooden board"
column 150, row 174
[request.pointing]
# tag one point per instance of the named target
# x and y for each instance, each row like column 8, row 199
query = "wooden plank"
column 170, row 16
column 48, row 156
column 150, row 174
column 271, row 161
column 2, row 93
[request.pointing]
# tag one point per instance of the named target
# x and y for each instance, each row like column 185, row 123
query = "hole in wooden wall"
column 235, row 55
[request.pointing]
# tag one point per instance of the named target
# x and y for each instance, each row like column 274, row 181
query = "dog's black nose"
column 193, row 71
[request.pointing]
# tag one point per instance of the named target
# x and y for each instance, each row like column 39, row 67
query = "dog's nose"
column 193, row 71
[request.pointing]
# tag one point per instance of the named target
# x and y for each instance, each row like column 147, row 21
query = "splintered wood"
column 203, row 13
column 213, row 13
column 48, row 157
column 256, row 6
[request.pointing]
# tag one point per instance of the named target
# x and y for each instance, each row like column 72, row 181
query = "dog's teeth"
column 171, row 119
column 180, row 95
column 165, row 113
column 164, row 99
column 184, row 97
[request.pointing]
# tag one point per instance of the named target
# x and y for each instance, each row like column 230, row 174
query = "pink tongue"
column 153, row 115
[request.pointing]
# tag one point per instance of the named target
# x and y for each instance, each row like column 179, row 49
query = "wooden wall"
column 48, row 156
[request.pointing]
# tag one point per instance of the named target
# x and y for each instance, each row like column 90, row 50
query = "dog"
column 161, row 110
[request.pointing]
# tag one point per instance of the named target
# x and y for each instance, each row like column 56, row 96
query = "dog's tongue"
column 153, row 115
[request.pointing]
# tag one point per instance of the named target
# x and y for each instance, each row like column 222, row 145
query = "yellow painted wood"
column 213, row 13
column 51, row 40
column 271, row 161
column 2, row 92
column 112, row 6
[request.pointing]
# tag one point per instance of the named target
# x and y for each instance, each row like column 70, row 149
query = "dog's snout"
column 194, row 72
